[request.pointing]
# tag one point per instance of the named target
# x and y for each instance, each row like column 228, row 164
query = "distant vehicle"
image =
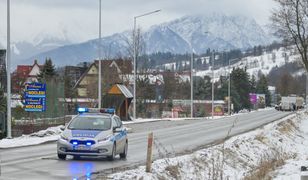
column 277, row 106
column 94, row 132
column 299, row 102
column 289, row 103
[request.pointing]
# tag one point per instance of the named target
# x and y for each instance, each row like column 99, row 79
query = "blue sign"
column 35, row 97
column 35, row 104
column 35, row 94
column 35, row 87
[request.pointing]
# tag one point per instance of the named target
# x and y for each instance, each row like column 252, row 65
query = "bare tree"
column 140, row 44
column 290, row 20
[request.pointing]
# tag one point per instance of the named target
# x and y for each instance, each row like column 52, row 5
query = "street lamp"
column 135, row 56
column 191, row 83
column 229, row 88
column 99, row 56
column 213, row 59
column 8, row 71
column 191, row 80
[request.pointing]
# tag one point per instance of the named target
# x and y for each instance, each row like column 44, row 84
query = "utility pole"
column 306, row 98
column 213, row 59
column 135, row 68
column 99, row 57
column 8, row 71
column 135, row 58
column 229, row 89
column 192, row 84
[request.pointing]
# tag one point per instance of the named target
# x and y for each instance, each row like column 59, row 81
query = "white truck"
column 299, row 102
column 288, row 103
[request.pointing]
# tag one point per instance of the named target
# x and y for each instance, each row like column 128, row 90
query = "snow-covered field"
column 264, row 150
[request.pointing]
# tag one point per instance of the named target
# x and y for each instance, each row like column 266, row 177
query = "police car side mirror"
column 116, row 129
column 62, row 128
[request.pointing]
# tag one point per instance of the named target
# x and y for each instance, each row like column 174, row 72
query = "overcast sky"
column 78, row 19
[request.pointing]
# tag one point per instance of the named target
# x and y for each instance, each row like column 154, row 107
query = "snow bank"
column 50, row 134
column 291, row 170
column 236, row 158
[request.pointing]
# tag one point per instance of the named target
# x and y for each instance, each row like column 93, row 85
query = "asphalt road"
column 40, row 162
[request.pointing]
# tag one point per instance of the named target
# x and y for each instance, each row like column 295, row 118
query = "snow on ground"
column 291, row 170
column 50, row 134
column 264, row 63
column 239, row 156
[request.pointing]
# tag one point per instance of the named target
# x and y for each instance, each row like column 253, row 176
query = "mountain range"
column 190, row 33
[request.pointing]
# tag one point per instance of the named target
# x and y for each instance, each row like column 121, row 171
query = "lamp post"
column 99, row 56
column 135, row 56
column 8, row 71
column 191, row 83
column 213, row 59
column 229, row 88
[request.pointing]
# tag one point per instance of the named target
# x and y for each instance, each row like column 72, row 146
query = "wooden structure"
column 118, row 97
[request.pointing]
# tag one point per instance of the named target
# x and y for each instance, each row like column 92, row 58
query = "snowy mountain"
column 258, row 64
column 43, row 40
column 216, row 31
column 219, row 31
column 163, row 39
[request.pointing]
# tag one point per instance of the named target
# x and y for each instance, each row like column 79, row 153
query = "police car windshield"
column 90, row 123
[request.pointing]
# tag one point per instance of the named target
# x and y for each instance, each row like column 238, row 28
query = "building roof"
column 120, row 89
column 122, row 66
column 23, row 69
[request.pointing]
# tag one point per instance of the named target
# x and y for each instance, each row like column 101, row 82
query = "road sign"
column 35, row 104
column 35, row 97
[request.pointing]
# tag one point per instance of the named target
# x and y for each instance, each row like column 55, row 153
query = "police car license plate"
column 80, row 147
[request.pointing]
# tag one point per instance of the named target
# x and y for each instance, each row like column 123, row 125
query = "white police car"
column 94, row 132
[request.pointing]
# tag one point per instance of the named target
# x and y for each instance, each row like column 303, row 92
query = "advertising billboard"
column 35, row 97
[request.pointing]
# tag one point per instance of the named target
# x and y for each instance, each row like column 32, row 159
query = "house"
column 25, row 74
column 113, row 71
column 75, row 72
column 2, row 69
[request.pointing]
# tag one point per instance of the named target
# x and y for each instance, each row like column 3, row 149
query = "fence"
column 21, row 127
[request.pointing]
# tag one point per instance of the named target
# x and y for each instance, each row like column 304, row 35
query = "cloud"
column 78, row 19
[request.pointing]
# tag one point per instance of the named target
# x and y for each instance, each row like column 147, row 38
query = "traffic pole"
column 8, row 71
column 149, row 152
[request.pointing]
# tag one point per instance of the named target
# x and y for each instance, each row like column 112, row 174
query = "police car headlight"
column 105, row 139
column 62, row 136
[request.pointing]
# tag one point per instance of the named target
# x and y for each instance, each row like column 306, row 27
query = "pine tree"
column 47, row 72
column 253, row 84
column 202, row 88
column 240, row 86
column 262, row 88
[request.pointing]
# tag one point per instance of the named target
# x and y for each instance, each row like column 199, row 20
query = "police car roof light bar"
column 107, row 110
column 97, row 110
column 82, row 110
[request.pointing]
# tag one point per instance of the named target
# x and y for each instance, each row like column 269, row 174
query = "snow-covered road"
column 37, row 162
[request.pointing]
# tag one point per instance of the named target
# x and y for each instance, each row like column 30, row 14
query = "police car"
column 93, row 132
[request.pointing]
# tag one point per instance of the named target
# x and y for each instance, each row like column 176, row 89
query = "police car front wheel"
column 111, row 158
column 124, row 154
column 62, row 156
